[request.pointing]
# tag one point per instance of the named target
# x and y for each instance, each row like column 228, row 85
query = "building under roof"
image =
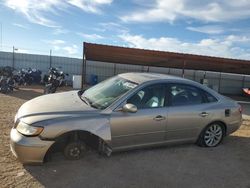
column 134, row 56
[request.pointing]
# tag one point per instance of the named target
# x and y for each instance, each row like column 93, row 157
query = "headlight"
column 28, row 130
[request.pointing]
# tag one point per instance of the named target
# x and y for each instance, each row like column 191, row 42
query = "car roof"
column 141, row 77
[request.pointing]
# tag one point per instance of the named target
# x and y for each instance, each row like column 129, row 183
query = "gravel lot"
column 227, row 165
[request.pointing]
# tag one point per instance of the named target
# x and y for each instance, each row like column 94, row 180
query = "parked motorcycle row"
column 11, row 78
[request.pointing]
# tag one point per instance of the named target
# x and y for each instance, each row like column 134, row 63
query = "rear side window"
column 182, row 95
column 209, row 98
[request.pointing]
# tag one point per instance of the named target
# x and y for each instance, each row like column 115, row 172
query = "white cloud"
column 224, row 47
column 112, row 26
column 54, row 42
column 58, row 31
column 62, row 47
column 206, row 10
column 208, row 29
column 71, row 50
column 22, row 51
column 89, row 6
column 20, row 25
column 239, row 39
column 92, row 37
column 36, row 10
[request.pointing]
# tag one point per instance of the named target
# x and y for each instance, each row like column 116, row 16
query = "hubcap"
column 75, row 152
column 213, row 135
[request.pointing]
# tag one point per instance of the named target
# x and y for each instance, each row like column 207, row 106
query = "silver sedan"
column 128, row 111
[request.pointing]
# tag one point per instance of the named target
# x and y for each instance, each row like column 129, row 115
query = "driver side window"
column 149, row 97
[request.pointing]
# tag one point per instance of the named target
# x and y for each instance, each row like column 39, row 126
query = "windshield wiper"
column 85, row 99
column 88, row 102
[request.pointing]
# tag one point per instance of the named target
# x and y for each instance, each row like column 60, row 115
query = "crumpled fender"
column 97, row 126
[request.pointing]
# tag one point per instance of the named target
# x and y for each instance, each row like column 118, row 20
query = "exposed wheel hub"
column 75, row 152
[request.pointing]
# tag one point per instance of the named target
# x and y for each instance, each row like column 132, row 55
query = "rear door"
column 188, row 112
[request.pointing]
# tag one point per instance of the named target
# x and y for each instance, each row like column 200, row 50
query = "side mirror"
column 129, row 108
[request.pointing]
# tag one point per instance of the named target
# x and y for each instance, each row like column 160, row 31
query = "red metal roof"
column 124, row 55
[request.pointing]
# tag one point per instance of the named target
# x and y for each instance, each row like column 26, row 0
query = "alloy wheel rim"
column 213, row 135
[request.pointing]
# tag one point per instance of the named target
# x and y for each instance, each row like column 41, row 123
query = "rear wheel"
column 74, row 150
column 212, row 135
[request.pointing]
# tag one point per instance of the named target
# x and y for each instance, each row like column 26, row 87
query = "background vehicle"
column 128, row 111
column 246, row 92
column 55, row 79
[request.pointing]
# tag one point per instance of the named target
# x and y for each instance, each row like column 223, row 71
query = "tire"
column 46, row 90
column 53, row 90
column 49, row 89
column 74, row 150
column 212, row 135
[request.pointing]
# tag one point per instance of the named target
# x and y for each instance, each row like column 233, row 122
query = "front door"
column 145, row 126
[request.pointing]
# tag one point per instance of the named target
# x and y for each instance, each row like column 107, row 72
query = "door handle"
column 204, row 114
column 159, row 118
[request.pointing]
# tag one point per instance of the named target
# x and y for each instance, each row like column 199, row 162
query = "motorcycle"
column 28, row 76
column 55, row 79
column 7, row 83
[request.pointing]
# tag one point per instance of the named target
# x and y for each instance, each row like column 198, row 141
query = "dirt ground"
column 227, row 165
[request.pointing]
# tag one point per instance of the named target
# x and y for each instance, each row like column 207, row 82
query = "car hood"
column 54, row 106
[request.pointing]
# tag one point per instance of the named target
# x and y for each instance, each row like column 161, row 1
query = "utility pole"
column 50, row 58
column 13, row 61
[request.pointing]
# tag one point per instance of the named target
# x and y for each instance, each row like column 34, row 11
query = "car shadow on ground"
column 25, row 93
column 30, row 92
column 174, row 166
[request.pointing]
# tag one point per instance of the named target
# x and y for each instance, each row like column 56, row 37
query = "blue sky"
column 207, row 27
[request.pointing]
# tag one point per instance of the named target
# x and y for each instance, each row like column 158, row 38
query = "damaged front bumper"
column 28, row 149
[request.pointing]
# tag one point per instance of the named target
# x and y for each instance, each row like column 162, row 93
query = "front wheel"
column 212, row 135
column 46, row 90
column 74, row 150
column 49, row 88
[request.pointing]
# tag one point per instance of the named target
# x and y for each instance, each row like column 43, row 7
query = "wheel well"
column 88, row 138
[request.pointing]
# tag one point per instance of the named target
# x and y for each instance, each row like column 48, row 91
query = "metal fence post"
column 243, row 81
column 83, row 66
column 114, row 69
column 219, row 88
column 50, row 58
column 194, row 75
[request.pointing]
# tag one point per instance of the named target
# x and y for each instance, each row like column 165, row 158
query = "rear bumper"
column 28, row 149
column 233, row 126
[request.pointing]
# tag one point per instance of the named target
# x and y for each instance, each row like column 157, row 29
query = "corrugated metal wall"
column 222, row 82
column 72, row 66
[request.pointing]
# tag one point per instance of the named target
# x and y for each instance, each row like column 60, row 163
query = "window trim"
column 163, row 84
column 200, row 90
column 205, row 96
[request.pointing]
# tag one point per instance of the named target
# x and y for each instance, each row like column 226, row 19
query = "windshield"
column 105, row 93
